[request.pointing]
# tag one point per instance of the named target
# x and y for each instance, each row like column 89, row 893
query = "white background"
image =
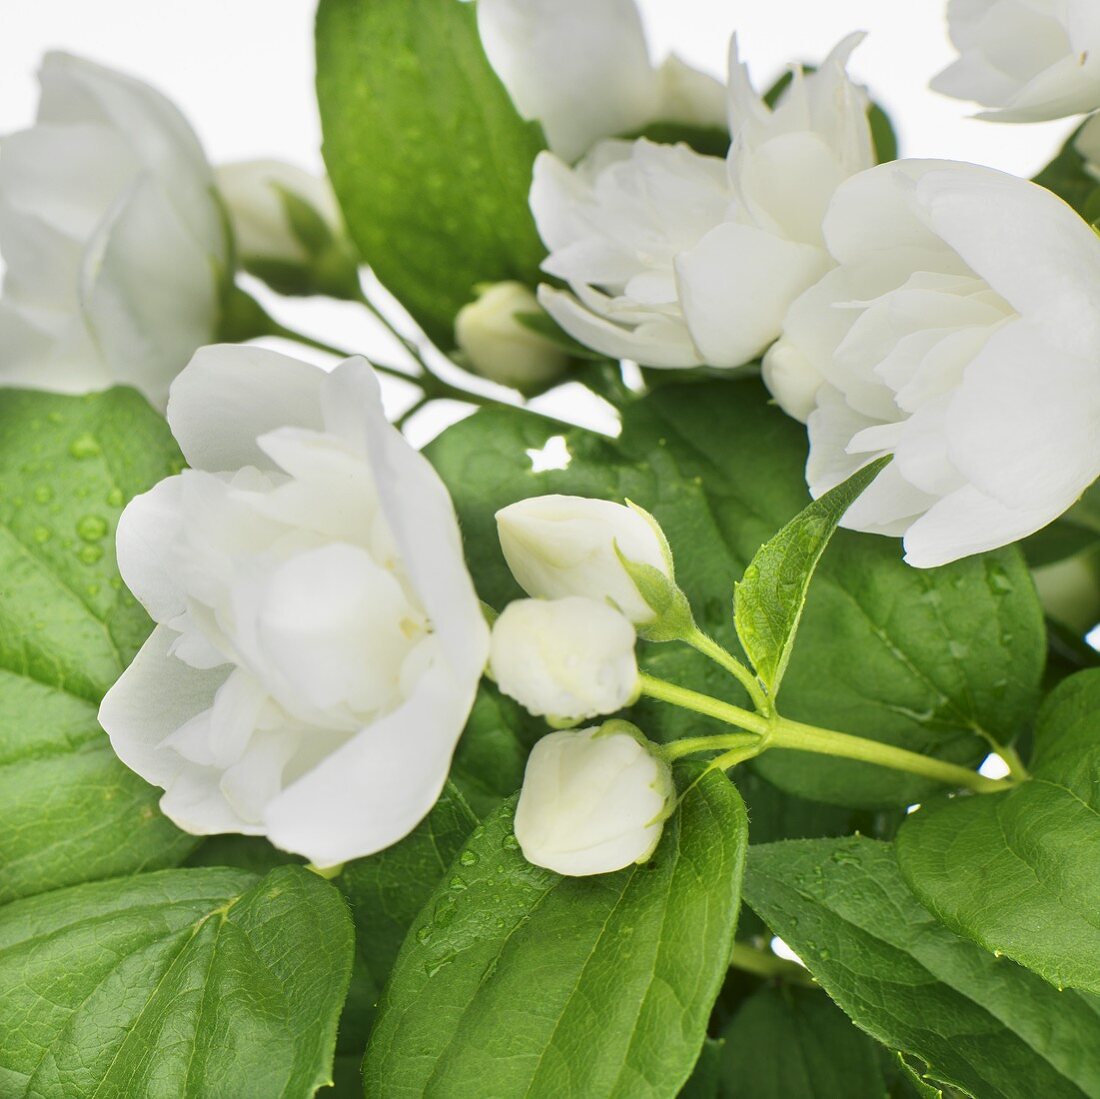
column 242, row 72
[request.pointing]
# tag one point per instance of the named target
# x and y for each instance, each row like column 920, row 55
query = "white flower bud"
column 288, row 228
column 593, row 801
column 502, row 349
column 569, row 658
column 566, row 545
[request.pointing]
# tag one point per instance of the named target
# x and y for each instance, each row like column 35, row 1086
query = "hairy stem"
column 710, row 648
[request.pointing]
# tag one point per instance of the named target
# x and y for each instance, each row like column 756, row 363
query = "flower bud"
column 288, row 228
column 568, row 659
column 499, row 347
column 593, row 800
column 570, row 545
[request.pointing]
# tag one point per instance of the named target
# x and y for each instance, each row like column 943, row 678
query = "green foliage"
column 427, row 155
column 387, row 890
column 1016, row 871
column 1067, row 176
column 768, row 601
column 175, row 983
column 793, row 1043
column 982, row 1024
column 69, row 811
column 933, row 660
column 615, row 973
column 488, row 764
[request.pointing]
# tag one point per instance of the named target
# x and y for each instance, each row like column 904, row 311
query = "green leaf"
column 176, row 983
column 430, row 160
column 387, row 890
column 1067, row 176
column 794, row 1043
column 768, row 601
column 703, row 1082
column 518, row 982
column 69, row 811
column 982, row 1024
column 490, row 758
column 1017, row 872
column 931, row 660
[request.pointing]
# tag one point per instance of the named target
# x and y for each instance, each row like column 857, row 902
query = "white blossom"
column 558, row 546
column 500, row 348
column 961, row 333
column 676, row 259
column 593, row 801
column 112, row 234
column 1025, row 60
column 567, row 659
column 318, row 642
column 582, row 69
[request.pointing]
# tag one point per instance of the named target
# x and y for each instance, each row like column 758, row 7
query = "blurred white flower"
column 961, row 332
column 558, row 546
column 1026, row 60
column 593, row 801
column 675, row 259
column 318, row 642
column 581, row 68
column 568, row 659
column 287, row 225
column 499, row 347
column 113, row 237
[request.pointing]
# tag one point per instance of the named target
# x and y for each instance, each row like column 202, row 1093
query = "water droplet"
column 43, row 494
column 434, row 965
column 510, row 843
column 92, row 528
column 458, row 884
column 958, row 649
column 999, row 582
column 115, row 499
column 84, row 446
column 42, row 534
column 93, row 590
column 468, row 858
column 444, row 911
column 54, row 417
column 90, row 554
column 424, row 934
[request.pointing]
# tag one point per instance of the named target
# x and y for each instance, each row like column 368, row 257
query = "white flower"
column 581, row 68
column 593, row 801
column 318, row 642
column 1026, row 60
column 569, row 658
column 961, row 332
column 255, row 194
column 113, row 237
column 566, row 545
column 675, row 259
column 502, row 349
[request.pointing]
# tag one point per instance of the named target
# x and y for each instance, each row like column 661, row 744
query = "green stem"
column 809, row 738
column 761, row 963
column 689, row 745
column 703, row 704
column 410, row 346
column 710, row 648
column 778, row 732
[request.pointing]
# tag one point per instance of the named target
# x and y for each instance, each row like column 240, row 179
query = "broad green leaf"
column 69, row 811
column 252, row 853
column 703, row 1082
column 387, row 890
column 768, row 601
column 518, row 982
column 982, row 1024
column 1017, row 872
column 176, row 983
column 489, row 761
column 1067, row 176
column 931, row 660
column 794, row 1043
column 429, row 158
